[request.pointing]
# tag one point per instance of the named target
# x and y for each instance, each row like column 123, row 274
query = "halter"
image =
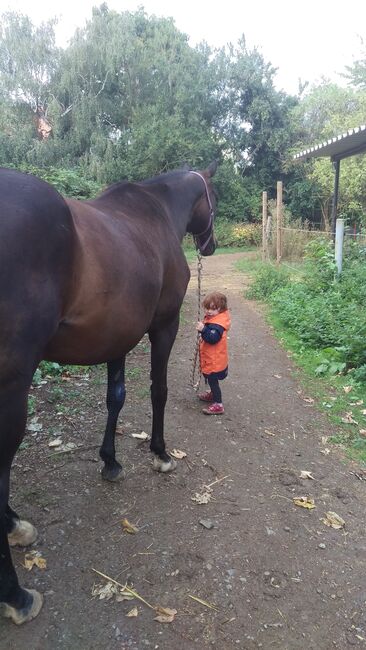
column 209, row 227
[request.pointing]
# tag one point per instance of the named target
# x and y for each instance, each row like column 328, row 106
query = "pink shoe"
column 206, row 397
column 214, row 409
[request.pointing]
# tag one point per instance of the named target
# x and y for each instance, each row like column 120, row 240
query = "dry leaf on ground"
column 141, row 436
column 347, row 389
column 201, row 499
column 105, row 592
column 348, row 419
column 305, row 474
column 133, row 612
column 128, row 527
column 308, row 400
column 304, row 502
column 165, row 615
column 325, row 451
column 55, row 443
column 333, row 520
column 34, row 559
column 177, row 453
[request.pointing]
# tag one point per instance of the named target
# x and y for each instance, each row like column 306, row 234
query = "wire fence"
column 286, row 238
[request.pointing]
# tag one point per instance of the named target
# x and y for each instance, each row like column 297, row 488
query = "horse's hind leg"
column 116, row 393
column 161, row 344
column 18, row 604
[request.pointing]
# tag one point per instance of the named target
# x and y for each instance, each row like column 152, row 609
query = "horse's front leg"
column 116, row 393
column 161, row 344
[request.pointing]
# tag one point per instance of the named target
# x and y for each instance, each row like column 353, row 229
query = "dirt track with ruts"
column 247, row 569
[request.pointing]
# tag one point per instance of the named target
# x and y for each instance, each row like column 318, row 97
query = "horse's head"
column 201, row 224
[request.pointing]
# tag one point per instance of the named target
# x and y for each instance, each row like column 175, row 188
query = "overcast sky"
column 304, row 40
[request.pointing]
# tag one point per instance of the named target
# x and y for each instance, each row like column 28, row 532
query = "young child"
column 213, row 349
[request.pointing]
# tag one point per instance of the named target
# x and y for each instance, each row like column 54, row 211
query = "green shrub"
column 325, row 312
column 267, row 280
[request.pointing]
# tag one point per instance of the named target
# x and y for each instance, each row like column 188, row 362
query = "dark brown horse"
column 81, row 283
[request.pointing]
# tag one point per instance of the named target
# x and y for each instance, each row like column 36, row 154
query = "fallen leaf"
column 304, row 502
column 128, row 527
column 348, row 419
column 125, row 589
column 278, row 376
column 165, row 615
column 177, row 453
column 133, row 612
column 362, row 432
column 325, row 451
column 124, row 595
column 34, row 425
column 141, row 436
column 308, row 400
column 68, row 446
column 324, row 440
column 304, row 474
column 269, row 433
column 333, row 520
column 105, row 592
column 347, row 389
column 119, row 431
column 363, row 411
column 34, row 559
column 55, row 443
column 201, row 499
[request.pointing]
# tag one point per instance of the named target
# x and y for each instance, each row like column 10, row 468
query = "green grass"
column 329, row 392
column 335, row 395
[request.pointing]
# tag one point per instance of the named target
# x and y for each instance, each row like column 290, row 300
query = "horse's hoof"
column 164, row 466
column 19, row 616
column 23, row 534
column 113, row 474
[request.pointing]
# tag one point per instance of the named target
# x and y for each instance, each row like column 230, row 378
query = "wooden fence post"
column 264, row 227
column 279, row 221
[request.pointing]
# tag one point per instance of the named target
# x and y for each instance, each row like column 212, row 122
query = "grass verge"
column 339, row 396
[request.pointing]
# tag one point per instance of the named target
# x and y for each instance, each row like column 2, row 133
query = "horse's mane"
column 125, row 185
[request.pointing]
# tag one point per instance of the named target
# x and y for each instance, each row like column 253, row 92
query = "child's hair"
column 216, row 299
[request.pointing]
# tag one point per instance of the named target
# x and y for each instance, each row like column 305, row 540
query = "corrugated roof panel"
column 341, row 146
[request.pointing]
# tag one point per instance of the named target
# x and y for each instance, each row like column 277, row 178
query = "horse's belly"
column 80, row 345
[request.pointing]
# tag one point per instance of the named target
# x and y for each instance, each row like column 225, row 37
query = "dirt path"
column 277, row 576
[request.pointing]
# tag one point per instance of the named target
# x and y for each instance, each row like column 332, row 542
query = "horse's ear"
column 211, row 170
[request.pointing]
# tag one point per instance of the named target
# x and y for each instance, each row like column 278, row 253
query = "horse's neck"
column 179, row 198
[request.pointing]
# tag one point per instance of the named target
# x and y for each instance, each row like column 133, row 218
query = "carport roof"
column 341, row 146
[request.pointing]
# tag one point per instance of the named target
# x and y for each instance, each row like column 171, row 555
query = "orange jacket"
column 214, row 357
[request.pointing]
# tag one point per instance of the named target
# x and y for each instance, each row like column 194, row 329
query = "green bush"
column 69, row 182
column 267, row 281
column 323, row 311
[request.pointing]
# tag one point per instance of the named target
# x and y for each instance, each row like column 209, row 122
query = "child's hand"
column 200, row 325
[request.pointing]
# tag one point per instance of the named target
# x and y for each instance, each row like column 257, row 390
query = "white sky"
column 304, row 40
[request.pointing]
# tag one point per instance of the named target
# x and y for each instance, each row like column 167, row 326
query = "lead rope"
column 196, row 383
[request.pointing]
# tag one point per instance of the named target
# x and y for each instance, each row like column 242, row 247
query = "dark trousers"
column 214, row 385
